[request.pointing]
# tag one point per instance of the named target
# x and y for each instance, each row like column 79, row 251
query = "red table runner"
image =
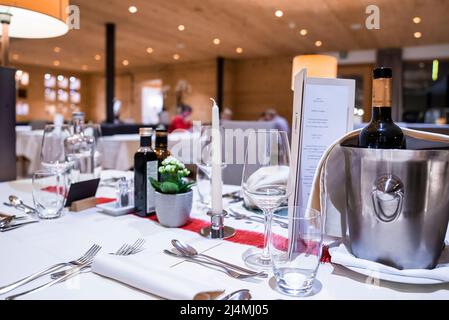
column 246, row 237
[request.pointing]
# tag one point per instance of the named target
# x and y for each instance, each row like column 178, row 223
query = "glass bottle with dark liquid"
column 161, row 146
column 382, row 132
column 145, row 167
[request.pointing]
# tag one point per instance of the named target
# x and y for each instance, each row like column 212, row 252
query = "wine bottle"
column 382, row 132
column 145, row 167
column 161, row 146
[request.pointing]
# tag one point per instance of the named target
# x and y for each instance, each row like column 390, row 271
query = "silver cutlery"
column 3, row 216
column 17, row 202
column 240, row 216
column 124, row 250
column 188, row 250
column 10, row 227
column 228, row 271
column 243, row 294
column 88, row 256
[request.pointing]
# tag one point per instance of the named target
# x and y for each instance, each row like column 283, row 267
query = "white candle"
column 217, row 184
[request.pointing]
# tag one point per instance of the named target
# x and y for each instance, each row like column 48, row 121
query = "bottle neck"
column 161, row 142
column 145, row 141
column 78, row 125
column 381, row 114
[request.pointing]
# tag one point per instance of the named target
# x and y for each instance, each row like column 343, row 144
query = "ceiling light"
column 15, row 56
column 417, row 20
column 57, row 49
column 176, row 56
column 417, row 35
column 217, row 41
column 278, row 13
column 132, row 9
column 150, row 50
column 97, row 57
column 181, row 27
column 318, row 43
column 125, row 62
column 303, row 32
column 356, row 26
column 84, row 67
column 239, row 50
column 56, row 63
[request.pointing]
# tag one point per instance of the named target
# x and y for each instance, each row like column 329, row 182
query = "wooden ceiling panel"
column 249, row 24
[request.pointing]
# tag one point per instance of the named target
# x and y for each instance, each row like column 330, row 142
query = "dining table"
column 36, row 246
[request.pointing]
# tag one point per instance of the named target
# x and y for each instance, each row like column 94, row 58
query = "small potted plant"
column 173, row 196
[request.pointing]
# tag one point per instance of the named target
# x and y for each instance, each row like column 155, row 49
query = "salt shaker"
column 123, row 193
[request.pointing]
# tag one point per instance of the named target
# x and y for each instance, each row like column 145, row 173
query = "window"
column 62, row 93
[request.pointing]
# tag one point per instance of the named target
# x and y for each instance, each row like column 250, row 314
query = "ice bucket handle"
column 387, row 197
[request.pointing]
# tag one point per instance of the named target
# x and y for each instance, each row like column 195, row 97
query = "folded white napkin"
column 140, row 271
column 340, row 255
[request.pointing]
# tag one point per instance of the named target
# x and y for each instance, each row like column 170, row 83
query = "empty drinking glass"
column 49, row 193
column 296, row 250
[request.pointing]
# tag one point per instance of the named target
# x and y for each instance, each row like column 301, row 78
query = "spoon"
column 238, row 295
column 229, row 272
column 190, row 251
column 6, row 221
column 27, row 211
column 16, row 201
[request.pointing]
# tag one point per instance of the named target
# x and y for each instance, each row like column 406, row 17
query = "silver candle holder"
column 217, row 229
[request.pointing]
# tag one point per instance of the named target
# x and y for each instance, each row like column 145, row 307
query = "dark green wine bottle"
column 382, row 132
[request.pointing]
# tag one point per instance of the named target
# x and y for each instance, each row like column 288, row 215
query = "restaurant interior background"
column 238, row 51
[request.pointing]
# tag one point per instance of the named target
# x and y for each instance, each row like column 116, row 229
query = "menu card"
column 323, row 111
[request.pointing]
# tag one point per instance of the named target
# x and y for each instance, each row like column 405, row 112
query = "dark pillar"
column 110, row 71
column 7, row 124
column 220, row 82
column 393, row 58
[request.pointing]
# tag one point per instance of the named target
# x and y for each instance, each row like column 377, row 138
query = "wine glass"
column 53, row 156
column 266, row 182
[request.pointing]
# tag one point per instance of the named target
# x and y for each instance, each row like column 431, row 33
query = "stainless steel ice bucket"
column 397, row 205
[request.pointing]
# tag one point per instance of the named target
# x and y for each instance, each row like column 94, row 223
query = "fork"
column 80, row 261
column 124, row 250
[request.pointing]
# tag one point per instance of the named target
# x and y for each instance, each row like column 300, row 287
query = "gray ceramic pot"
column 173, row 210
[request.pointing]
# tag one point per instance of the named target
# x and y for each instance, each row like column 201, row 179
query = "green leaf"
column 156, row 184
column 169, row 187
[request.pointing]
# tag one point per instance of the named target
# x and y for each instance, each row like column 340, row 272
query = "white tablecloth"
column 117, row 150
column 34, row 247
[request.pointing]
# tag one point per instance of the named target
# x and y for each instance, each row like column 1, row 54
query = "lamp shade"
column 34, row 19
column 318, row 66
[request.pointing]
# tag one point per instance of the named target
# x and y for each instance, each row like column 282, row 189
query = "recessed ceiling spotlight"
column 417, row 35
column 84, row 67
column 318, row 43
column 303, row 32
column 181, row 27
column 239, row 50
column 150, row 50
column 97, row 57
column 278, row 13
column 132, row 9
column 292, row 25
column 356, row 26
column 176, row 56
column 125, row 62
column 416, row 20
column 15, row 56
column 217, row 41
column 57, row 49
column 56, row 63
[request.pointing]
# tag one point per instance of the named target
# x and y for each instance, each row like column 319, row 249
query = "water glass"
column 50, row 190
column 296, row 250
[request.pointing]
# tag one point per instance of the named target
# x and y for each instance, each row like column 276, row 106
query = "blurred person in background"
column 281, row 123
column 226, row 114
column 182, row 120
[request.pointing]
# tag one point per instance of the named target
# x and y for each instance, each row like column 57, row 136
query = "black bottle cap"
column 382, row 72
